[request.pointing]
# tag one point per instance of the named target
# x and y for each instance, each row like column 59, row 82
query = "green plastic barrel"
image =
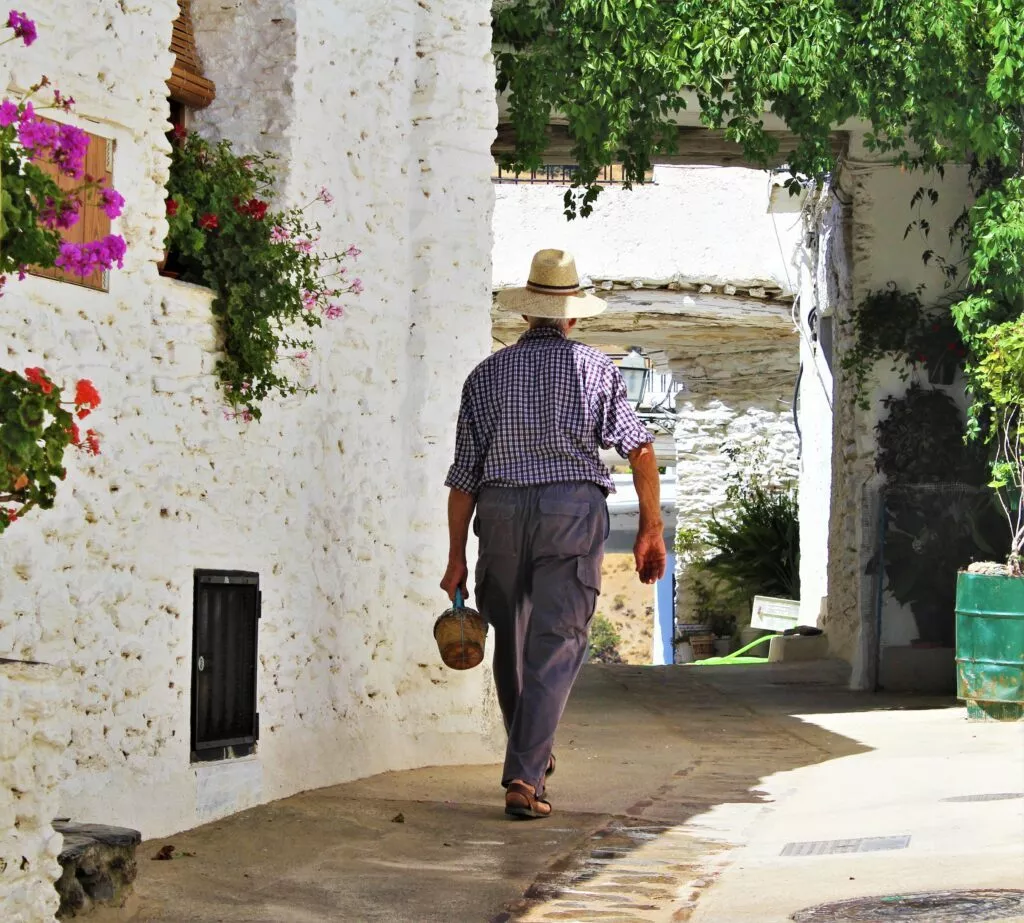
column 990, row 645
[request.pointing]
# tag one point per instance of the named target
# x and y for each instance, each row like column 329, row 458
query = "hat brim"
column 534, row 304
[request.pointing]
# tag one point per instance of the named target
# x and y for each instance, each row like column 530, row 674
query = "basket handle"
column 459, row 601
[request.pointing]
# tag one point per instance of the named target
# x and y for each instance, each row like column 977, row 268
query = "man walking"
column 532, row 420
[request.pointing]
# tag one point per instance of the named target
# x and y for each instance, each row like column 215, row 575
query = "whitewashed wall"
column 33, row 702
column 336, row 500
column 707, row 224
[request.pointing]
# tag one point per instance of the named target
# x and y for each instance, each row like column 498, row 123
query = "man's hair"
column 557, row 323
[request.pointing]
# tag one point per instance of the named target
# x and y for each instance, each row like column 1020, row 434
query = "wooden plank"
column 694, row 147
column 191, row 89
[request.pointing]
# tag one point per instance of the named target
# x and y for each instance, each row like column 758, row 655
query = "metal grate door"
column 224, row 647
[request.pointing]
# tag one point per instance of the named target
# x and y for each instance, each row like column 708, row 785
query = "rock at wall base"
column 98, row 867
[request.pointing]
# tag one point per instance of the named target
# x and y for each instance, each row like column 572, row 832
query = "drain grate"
column 834, row 847
column 928, row 907
column 998, row 796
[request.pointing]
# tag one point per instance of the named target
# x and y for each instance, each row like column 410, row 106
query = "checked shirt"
column 538, row 412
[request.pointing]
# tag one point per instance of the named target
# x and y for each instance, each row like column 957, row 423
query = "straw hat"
column 552, row 290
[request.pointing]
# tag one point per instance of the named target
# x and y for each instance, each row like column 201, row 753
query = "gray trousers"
column 537, row 582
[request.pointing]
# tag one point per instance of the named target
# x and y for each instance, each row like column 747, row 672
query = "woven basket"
column 460, row 633
column 703, row 646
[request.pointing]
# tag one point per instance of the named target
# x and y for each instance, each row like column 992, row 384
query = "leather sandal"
column 521, row 801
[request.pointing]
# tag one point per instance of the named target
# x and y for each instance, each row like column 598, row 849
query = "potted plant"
column 990, row 596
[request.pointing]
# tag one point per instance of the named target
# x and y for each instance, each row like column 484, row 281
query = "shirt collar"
column 543, row 333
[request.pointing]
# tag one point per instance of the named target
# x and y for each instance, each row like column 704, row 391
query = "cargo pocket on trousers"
column 566, row 529
column 588, row 573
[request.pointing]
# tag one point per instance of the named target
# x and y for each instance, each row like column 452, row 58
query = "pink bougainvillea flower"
column 70, row 150
column 209, row 222
column 60, row 101
column 309, row 300
column 325, row 196
column 24, row 28
column 302, row 355
column 303, row 245
column 356, row 287
column 333, row 312
column 85, row 259
column 60, row 218
column 8, row 113
column 278, row 234
column 353, row 252
column 112, row 202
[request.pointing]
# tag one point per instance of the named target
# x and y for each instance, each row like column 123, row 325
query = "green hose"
column 735, row 658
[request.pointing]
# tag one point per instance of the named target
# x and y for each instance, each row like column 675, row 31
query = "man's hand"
column 649, row 551
column 455, row 577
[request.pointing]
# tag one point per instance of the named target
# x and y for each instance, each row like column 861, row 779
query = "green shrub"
column 604, row 641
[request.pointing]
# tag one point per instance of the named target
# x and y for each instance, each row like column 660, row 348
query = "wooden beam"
column 694, row 147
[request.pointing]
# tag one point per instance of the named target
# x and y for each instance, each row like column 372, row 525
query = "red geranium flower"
column 38, row 377
column 92, row 441
column 172, row 208
column 179, row 132
column 254, row 208
column 86, row 396
column 76, row 436
column 209, row 222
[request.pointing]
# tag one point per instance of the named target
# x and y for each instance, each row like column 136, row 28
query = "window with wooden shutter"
column 93, row 223
column 187, row 85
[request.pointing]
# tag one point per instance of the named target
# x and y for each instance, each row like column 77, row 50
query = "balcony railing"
column 562, row 175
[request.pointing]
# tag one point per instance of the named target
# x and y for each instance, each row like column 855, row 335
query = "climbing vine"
column 895, row 325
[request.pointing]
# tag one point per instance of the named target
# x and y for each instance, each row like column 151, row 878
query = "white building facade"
column 391, row 107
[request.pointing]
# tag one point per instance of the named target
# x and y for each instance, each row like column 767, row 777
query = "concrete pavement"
column 677, row 789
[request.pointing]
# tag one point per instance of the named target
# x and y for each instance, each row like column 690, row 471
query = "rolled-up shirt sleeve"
column 467, row 469
column 619, row 426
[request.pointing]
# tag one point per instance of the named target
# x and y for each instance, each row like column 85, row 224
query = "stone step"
column 98, row 864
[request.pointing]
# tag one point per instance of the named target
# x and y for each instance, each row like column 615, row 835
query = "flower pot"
column 990, row 645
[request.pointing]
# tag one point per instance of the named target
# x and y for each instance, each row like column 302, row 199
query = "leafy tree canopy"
column 939, row 81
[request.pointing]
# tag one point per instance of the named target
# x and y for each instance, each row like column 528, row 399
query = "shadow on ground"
column 641, row 751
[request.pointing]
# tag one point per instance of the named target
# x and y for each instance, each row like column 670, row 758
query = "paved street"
column 677, row 789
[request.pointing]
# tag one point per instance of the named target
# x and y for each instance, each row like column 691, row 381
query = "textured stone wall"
column 336, row 499
column 707, row 426
column 33, row 703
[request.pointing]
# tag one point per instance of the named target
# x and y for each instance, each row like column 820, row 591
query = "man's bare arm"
column 460, row 514
column 649, row 549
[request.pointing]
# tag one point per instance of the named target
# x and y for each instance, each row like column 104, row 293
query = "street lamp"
column 636, row 374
